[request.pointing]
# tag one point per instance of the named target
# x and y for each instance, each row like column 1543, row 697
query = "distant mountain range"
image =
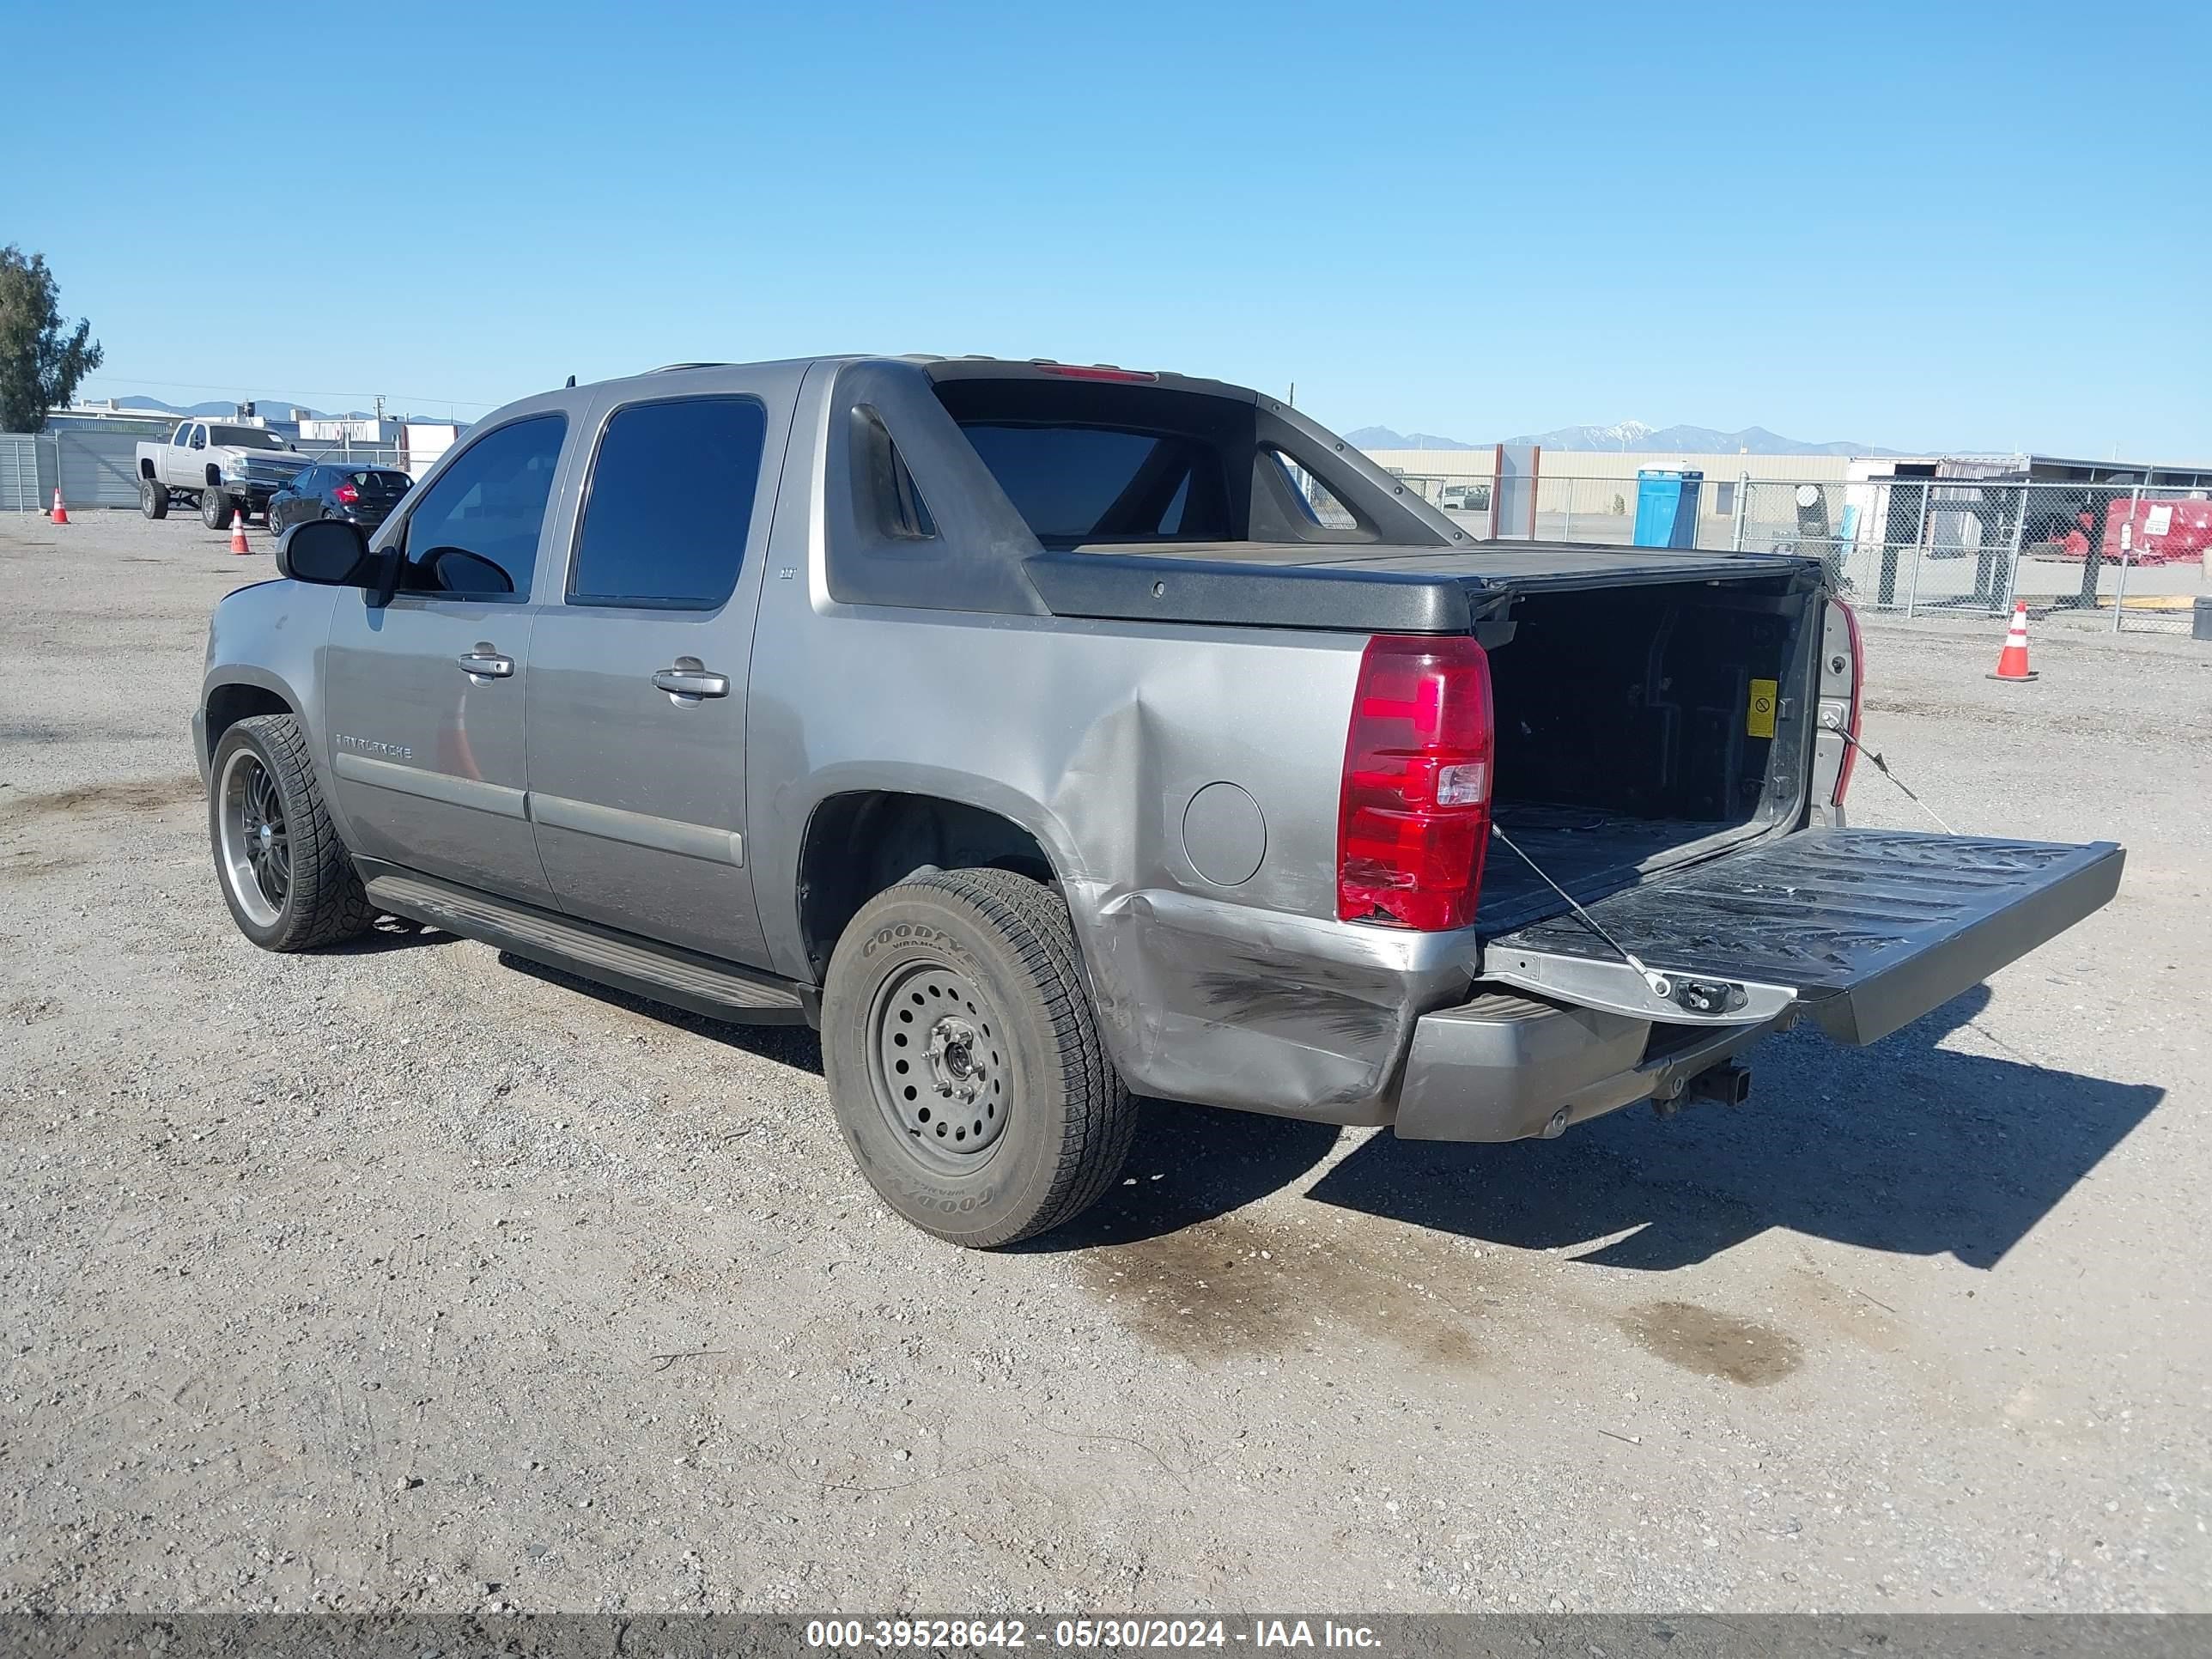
column 269, row 408
column 1630, row 435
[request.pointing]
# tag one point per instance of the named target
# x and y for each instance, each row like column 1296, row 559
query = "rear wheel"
column 153, row 499
column 285, row 874
column 214, row 509
column 964, row 1059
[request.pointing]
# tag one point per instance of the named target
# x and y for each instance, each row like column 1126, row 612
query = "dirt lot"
column 402, row 1277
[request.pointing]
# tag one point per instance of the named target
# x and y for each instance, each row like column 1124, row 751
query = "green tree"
column 40, row 360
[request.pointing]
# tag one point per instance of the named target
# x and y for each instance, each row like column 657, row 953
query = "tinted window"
column 307, row 482
column 182, row 435
column 385, row 486
column 474, row 531
column 672, row 498
column 199, row 437
column 1092, row 462
column 248, row 437
column 1074, row 483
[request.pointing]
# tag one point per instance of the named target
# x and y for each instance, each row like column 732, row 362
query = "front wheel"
column 286, row 876
column 214, row 509
column 964, row 1059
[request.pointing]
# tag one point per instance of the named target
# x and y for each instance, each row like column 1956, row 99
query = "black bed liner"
column 1362, row 589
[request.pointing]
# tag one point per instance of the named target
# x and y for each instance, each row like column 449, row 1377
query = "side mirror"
column 328, row 552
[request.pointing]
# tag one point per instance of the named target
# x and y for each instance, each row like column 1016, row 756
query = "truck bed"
column 1587, row 851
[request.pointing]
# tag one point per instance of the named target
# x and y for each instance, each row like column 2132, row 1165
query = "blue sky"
column 1934, row 225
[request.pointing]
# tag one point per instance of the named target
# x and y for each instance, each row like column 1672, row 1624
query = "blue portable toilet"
column 1667, row 506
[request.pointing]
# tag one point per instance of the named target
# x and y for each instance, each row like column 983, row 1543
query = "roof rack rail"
column 668, row 367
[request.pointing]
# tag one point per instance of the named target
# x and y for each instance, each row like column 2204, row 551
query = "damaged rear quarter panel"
column 1094, row 737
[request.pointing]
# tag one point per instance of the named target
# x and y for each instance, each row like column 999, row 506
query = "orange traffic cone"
column 238, row 532
column 2012, row 661
column 60, row 514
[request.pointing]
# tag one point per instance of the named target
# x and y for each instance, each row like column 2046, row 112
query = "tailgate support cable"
column 1882, row 767
column 1660, row 984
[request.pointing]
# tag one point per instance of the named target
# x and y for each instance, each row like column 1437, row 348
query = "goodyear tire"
column 153, row 499
column 284, row 873
column 964, row 1059
column 214, row 509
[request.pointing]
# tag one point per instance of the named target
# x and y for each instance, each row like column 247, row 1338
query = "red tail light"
column 1858, row 690
column 1415, row 821
column 347, row 493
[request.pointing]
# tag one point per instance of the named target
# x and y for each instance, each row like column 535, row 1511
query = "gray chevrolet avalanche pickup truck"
column 1043, row 734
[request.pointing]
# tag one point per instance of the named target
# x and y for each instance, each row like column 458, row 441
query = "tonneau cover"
column 1360, row 588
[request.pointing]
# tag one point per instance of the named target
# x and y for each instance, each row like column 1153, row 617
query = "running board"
column 657, row 972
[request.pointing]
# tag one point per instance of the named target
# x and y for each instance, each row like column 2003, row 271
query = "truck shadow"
column 1190, row 1164
column 796, row 1045
column 1902, row 1147
column 388, row 933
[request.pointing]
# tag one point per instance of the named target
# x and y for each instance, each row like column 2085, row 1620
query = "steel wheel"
column 256, row 847
column 938, row 1066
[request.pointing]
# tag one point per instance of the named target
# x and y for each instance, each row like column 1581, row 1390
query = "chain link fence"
column 2134, row 556
column 2131, row 558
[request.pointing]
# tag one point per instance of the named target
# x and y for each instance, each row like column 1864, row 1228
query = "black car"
column 366, row 495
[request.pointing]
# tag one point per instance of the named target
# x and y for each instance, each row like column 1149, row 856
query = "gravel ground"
column 402, row 1277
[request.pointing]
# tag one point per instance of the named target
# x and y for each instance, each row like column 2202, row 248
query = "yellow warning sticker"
column 1760, row 721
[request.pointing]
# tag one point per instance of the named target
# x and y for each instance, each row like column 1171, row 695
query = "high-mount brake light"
column 1413, row 822
column 1098, row 372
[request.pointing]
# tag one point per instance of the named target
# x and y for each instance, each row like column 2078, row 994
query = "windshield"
column 245, row 437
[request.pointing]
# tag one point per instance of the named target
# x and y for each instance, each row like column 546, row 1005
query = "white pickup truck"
column 222, row 465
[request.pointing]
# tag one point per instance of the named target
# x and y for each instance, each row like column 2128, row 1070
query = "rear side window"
column 474, row 534
column 671, row 502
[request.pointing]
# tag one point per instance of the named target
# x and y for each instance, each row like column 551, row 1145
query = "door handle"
column 485, row 663
column 692, row 683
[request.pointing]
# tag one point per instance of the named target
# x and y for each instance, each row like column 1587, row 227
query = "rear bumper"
column 1505, row 1068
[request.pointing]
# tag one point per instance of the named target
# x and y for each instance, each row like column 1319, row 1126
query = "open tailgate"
column 1866, row 930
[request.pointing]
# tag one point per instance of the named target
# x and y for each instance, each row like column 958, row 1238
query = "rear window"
column 387, row 485
column 1074, row 483
column 1087, row 463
